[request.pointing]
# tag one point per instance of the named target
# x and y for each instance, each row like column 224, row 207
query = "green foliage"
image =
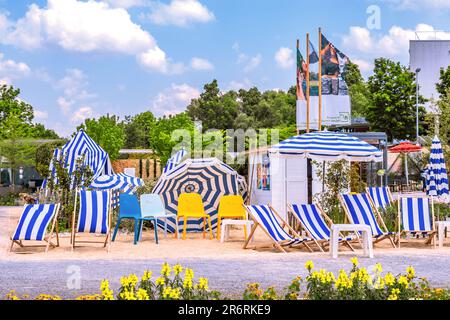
column 352, row 75
column 106, row 132
column 336, row 180
column 393, row 91
column 160, row 139
column 361, row 99
column 43, row 157
column 137, row 130
column 390, row 216
column 11, row 104
column 443, row 86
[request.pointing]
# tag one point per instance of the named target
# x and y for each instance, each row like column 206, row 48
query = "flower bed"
column 178, row 283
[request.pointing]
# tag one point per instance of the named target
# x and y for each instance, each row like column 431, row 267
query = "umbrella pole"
column 323, row 177
column 406, row 170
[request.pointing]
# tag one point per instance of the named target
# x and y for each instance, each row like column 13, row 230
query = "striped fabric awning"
column 210, row 178
column 81, row 145
column 328, row 146
column 437, row 178
column 175, row 160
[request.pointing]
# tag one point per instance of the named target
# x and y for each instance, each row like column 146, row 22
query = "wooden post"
column 320, row 79
column 307, row 84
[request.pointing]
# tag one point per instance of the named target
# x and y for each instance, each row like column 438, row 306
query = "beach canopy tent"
column 289, row 160
column 436, row 173
column 81, row 145
column 405, row 148
column 209, row 177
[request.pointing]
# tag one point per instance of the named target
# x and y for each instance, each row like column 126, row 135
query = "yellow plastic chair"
column 190, row 205
column 231, row 207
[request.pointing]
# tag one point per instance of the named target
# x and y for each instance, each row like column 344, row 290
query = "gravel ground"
column 230, row 276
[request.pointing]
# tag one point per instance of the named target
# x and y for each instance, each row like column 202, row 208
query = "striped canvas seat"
column 94, row 210
column 264, row 217
column 312, row 220
column 34, row 222
column 416, row 215
column 359, row 211
column 380, row 196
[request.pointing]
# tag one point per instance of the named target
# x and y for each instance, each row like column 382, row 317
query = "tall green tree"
column 107, row 132
column 443, row 85
column 11, row 103
column 393, row 91
column 137, row 130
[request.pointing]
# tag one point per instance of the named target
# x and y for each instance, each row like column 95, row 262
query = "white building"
column 430, row 56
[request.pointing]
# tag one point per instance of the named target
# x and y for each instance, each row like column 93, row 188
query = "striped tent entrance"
column 210, row 178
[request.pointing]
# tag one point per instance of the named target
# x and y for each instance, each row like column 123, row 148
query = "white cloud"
column 253, row 63
column 64, row 104
column 82, row 114
column 82, row 26
column 395, row 44
column 364, row 66
column 237, row 85
column 174, row 99
column 201, row 64
column 418, row 4
column 40, row 115
column 284, row 58
column 126, row 3
column 11, row 70
column 179, row 13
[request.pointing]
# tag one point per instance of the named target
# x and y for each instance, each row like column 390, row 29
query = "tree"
column 137, row 130
column 160, row 138
column 106, row 132
column 443, row 85
column 10, row 103
column 15, row 146
column 360, row 99
column 393, row 91
column 352, row 75
column 214, row 110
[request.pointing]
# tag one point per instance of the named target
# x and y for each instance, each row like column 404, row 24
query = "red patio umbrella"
column 406, row 147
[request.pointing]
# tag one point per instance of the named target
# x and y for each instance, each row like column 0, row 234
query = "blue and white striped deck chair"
column 381, row 197
column 359, row 209
column 316, row 224
column 94, row 215
column 33, row 225
column 416, row 215
column 266, row 217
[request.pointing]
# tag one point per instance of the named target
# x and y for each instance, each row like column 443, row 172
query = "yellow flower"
column 202, row 284
column 293, row 296
column 411, row 272
column 177, row 269
column 160, row 281
column 389, row 279
column 187, row 283
column 309, row 265
column 166, row 292
column 165, row 271
column 378, row 268
column 189, row 273
column 403, row 281
column 393, row 297
column 147, row 275
column 107, row 293
column 142, row 294
column 354, row 261
column 12, row 296
column 127, row 295
column 175, row 293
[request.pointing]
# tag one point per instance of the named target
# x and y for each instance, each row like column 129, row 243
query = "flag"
column 330, row 60
column 313, row 56
column 301, row 73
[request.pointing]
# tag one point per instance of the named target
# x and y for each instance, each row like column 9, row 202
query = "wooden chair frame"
column 107, row 242
column 320, row 243
column 47, row 239
column 378, row 217
column 275, row 244
column 432, row 234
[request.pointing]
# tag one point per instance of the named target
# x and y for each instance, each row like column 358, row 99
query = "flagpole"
column 307, row 83
column 320, row 79
column 297, row 82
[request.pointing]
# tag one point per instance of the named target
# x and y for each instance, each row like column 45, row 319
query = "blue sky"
column 76, row 59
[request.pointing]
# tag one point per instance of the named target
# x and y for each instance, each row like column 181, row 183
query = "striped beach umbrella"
column 119, row 183
column 328, row 146
column 437, row 183
column 174, row 160
column 210, row 178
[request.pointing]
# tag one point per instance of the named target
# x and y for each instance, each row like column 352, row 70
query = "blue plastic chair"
column 153, row 207
column 130, row 209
